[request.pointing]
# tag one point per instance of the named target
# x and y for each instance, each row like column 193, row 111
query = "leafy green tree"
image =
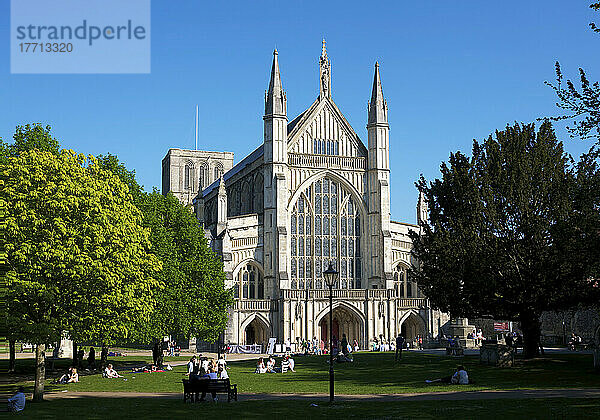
column 111, row 163
column 581, row 104
column 33, row 136
column 194, row 300
column 504, row 237
column 78, row 258
column 26, row 137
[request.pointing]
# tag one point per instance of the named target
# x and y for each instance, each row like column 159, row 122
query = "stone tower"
column 275, row 182
column 378, row 186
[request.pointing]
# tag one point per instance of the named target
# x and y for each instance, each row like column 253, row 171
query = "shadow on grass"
column 373, row 373
column 127, row 408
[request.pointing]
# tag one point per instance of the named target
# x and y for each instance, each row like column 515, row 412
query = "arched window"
column 218, row 171
column 403, row 285
column 188, row 176
column 246, row 199
column 203, row 176
column 325, row 227
column 400, row 280
column 251, row 282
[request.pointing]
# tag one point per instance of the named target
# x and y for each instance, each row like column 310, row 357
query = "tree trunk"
column 103, row 357
column 12, row 350
column 75, row 356
column 40, row 372
column 531, row 326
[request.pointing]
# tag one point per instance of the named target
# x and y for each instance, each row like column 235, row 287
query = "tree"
column 503, row 237
column 583, row 104
column 193, row 301
column 78, row 257
column 26, row 137
column 33, row 136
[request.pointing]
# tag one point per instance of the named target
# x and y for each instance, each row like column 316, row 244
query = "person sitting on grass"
column 74, row 377
column 16, row 403
column 260, row 366
column 109, row 372
column 285, row 364
column 70, row 376
column 271, row 365
column 460, row 377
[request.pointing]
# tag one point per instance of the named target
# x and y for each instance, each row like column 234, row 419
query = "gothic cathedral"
column 312, row 194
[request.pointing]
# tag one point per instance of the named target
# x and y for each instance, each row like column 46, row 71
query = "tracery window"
column 249, row 283
column 399, row 280
column 325, row 227
column 403, row 285
column 218, row 171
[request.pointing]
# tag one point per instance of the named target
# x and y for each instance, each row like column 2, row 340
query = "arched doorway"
column 412, row 326
column 256, row 332
column 345, row 321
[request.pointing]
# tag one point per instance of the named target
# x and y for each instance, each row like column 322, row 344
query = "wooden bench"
column 582, row 346
column 193, row 388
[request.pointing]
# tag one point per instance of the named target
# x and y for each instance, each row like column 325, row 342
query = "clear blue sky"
column 451, row 72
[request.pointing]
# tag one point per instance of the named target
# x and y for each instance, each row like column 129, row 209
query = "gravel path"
column 450, row 395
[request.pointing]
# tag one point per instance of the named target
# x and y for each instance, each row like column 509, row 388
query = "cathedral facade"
column 312, row 194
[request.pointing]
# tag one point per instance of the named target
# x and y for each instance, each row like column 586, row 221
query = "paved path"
column 429, row 396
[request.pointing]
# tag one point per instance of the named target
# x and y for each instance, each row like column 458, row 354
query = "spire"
column 275, row 99
column 324, row 73
column 378, row 104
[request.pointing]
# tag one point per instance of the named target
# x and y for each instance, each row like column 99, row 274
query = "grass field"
column 147, row 408
column 371, row 373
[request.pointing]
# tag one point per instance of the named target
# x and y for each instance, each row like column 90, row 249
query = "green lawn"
column 371, row 373
column 148, row 408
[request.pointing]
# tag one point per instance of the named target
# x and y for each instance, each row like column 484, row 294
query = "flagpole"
column 196, row 131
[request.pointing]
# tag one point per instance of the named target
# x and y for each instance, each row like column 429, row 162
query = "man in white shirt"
column 460, row 376
column 222, row 374
column 17, row 402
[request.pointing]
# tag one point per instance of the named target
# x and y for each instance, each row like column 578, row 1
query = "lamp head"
column 330, row 276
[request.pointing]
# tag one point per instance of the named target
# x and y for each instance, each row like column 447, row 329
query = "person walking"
column 399, row 345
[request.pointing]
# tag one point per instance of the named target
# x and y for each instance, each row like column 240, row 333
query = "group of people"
column 574, row 341
column 110, row 372
column 287, row 363
column 477, row 336
column 203, row 369
column 80, row 356
column 313, row 346
column 514, row 340
column 70, row 377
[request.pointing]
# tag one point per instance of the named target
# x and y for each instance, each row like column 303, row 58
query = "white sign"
column 271, row 346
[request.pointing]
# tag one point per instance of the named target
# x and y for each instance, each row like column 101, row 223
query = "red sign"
column 500, row 326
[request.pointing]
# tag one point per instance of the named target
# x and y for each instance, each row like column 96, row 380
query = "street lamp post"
column 330, row 276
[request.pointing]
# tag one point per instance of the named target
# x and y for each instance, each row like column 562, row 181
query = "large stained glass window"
column 325, row 227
